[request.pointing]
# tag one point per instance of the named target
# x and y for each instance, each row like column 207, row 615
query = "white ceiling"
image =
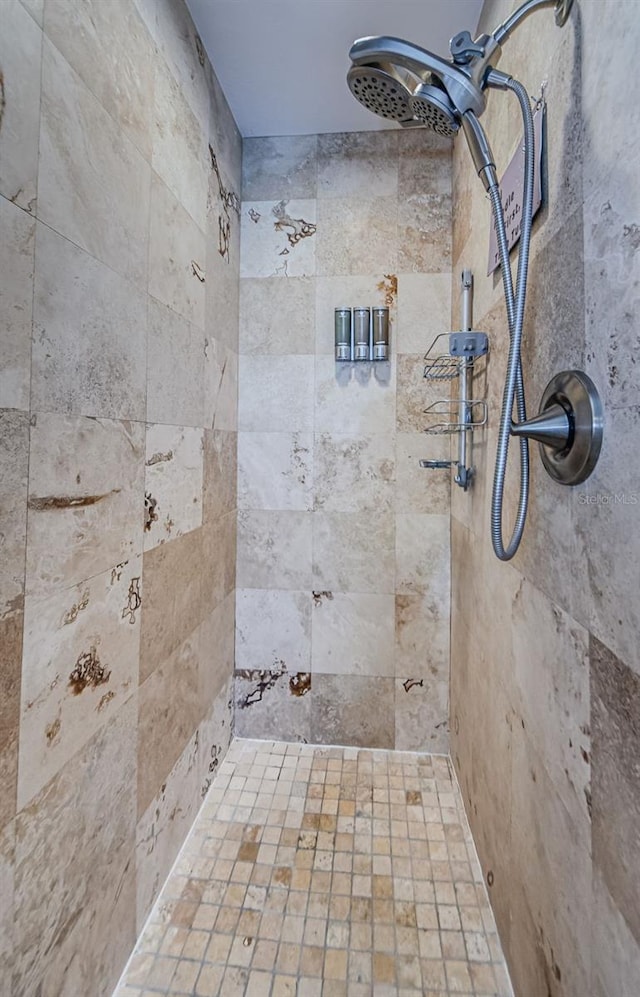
column 282, row 63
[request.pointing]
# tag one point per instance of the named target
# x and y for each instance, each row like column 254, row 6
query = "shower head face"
column 405, row 83
column 432, row 107
column 382, row 90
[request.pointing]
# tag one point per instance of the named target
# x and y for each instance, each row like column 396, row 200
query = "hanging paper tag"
column 511, row 193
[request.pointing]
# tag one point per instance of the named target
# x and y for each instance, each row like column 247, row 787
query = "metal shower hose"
column 514, row 386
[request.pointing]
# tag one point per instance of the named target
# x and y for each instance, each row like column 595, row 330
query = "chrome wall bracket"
column 568, row 427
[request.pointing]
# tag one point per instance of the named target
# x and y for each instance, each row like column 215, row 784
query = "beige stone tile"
column 359, row 398
column 422, row 558
column 354, row 473
column 274, row 550
column 271, row 627
column 173, row 605
column 7, row 866
column 279, row 166
column 422, row 640
column 425, row 163
column 424, row 233
column 615, row 953
column 422, row 713
column 353, row 553
column 162, row 829
column 352, row 162
column 273, row 701
column 424, row 310
column 419, row 489
column 17, row 262
column 276, row 394
column 614, row 726
column 353, row 635
column 277, row 317
column 99, row 201
column 175, row 368
column 275, row 471
column 20, row 56
column 169, row 711
column 35, row 8
column 85, row 490
column 555, row 896
column 103, row 46
column 14, row 464
column 173, row 482
column 551, row 676
column 220, row 474
column 93, row 904
column 352, row 709
column 180, row 153
column 177, row 258
column 278, row 238
column 222, row 285
column 11, row 643
column 80, row 663
column 221, row 376
column 90, row 335
column 357, row 235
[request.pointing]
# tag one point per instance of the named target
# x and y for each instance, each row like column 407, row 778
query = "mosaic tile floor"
column 323, row 872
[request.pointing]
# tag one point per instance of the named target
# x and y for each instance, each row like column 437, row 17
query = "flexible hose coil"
column 514, row 387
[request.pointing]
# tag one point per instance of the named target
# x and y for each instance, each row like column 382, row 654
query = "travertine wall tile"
column 133, row 341
column 274, row 549
column 179, row 147
column 350, row 163
column 16, row 261
column 172, row 482
column 615, row 723
column 353, row 634
column 89, row 335
column 275, row 471
column 323, row 468
column 102, row 48
column 85, row 507
column 80, row 663
column 279, row 167
column 278, row 239
column 568, row 918
column 100, row 199
column 7, row 865
column 20, row 58
column 176, row 256
column 353, row 709
column 353, row 552
column 277, row 316
column 175, row 369
column 273, row 700
column 276, row 394
column 284, row 634
column 355, row 474
column 75, row 846
column 360, row 399
column 357, row 235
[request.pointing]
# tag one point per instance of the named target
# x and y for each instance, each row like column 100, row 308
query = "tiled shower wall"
column 119, row 160
column 343, row 541
column 545, row 654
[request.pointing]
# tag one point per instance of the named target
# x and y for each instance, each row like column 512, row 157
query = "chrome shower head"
column 382, row 89
column 406, row 83
column 430, row 105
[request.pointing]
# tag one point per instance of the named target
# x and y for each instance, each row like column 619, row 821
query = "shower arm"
column 475, row 55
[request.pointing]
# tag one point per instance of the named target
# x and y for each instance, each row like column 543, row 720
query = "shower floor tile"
column 323, row 872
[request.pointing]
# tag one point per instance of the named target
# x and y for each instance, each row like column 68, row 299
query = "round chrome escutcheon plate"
column 578, row 396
